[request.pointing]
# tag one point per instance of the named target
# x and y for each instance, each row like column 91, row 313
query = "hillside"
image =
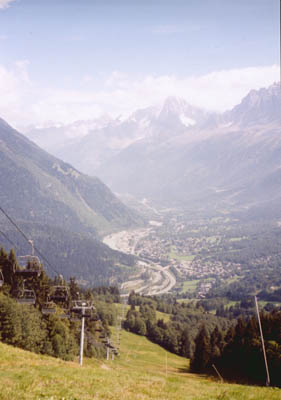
column 139, row 373
column 70, row 253
column 61, row 209
column 38, row 187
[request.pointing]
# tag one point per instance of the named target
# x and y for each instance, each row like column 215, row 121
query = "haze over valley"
column 175, row 166
column 140, row 201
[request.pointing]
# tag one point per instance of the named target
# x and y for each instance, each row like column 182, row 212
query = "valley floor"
column 143, row 371
column 152, row 278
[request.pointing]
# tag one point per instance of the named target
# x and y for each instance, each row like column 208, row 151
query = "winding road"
column 160, row 280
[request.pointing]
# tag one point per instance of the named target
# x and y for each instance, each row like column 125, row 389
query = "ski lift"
column 79, row 305
column 49, row 307
column 65, row 315
column 26, row 296
column 59, row 294
column 82, row 307
column 94, row 318
column 29, row 264
column 1, row 278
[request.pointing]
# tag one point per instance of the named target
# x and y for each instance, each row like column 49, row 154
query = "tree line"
column 178, row 333
column 56, row 334
column 237, row 353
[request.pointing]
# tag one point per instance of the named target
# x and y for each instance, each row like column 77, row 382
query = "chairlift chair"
column 59, row 294
column 26, row 296
column 79, row 305
column 65, row 315
column 29, row 266
column 49, row 307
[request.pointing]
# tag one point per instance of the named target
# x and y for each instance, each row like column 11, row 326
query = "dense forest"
column 237, row 353
column 98, row 264
column 232, row 344
column 36, row 312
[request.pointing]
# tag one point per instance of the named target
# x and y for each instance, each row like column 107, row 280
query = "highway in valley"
column 151, row 278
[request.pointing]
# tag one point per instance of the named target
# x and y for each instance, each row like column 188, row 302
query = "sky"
column 67, row 60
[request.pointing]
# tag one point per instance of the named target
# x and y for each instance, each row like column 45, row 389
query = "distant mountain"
column 63, row 210
column 90, row 144
column 229, row 158
column 180, row 154
column 258, row 107
column 52, row 136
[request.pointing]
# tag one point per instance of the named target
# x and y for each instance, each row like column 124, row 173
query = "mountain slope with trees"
column 36, row 186
column 64, row 211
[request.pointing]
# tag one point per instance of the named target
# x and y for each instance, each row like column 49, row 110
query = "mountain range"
column 183, row 155
column 90, row 144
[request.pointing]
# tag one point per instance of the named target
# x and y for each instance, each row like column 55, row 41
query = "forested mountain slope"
column 36, row 186
column 61, row 209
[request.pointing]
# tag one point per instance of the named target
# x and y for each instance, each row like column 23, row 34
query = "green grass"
column 190, row 286
column 262, row 303
column 233, row 279
column 164, row 316
column 187, row 301
column 144, row 371
column 179, row 257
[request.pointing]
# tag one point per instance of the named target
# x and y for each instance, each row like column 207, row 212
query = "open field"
column 179, row 257
column 190, row 285
column 143, row 371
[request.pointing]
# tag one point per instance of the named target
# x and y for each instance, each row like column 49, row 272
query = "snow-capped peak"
column 186, row 120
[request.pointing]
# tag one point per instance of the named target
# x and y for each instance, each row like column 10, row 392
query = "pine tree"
column 202, row 353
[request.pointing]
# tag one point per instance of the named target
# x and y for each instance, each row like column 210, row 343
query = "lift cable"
column 9, row 240
column 28, row 240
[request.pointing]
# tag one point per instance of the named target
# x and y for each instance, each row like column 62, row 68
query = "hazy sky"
column 63, row 60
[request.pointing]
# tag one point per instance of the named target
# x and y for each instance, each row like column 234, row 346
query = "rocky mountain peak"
column 259, row 106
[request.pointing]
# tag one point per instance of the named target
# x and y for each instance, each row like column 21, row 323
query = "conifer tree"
column 202, row 353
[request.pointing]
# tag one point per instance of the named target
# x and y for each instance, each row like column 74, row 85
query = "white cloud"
column 5, row 3
column 22, row 101
column 15, row 89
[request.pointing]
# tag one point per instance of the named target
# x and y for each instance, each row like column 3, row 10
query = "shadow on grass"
column 184, row 370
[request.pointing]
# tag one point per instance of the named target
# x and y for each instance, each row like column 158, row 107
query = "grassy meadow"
column 143, row 371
